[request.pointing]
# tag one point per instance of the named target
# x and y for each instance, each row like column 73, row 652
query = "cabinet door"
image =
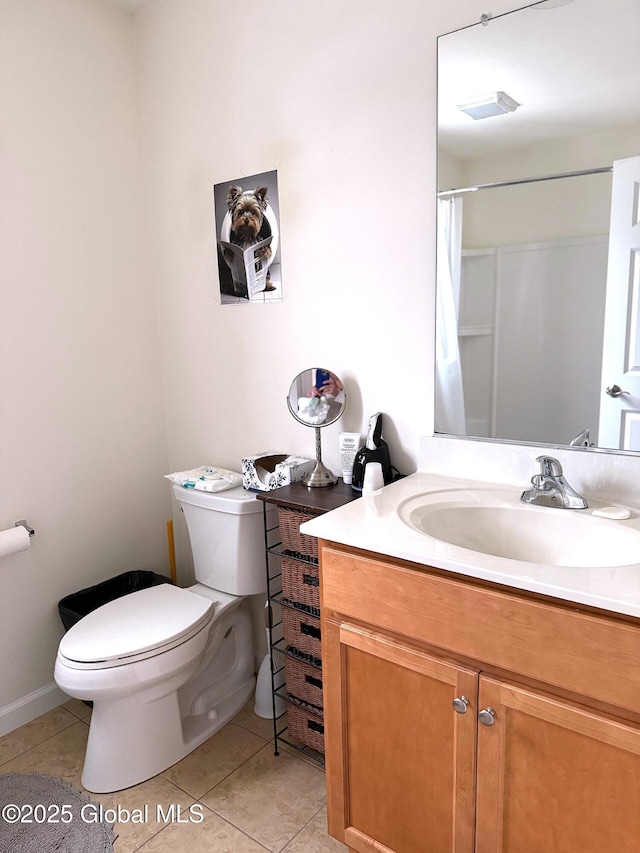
column 554, row 777
column 400, row 760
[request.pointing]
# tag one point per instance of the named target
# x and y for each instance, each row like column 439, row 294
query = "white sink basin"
column 496, row 522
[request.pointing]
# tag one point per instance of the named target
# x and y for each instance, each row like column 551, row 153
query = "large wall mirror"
column 538, row 286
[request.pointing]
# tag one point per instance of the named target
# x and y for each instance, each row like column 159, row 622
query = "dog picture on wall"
column 248, row 239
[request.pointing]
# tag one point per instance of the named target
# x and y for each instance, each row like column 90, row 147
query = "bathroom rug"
column 40, row 814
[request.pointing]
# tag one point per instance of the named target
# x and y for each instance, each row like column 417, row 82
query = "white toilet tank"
column 227, row 539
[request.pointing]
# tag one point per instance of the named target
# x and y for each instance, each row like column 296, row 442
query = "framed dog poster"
column 248, row 239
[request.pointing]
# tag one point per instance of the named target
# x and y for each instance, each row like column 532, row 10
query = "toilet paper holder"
column 27, row 527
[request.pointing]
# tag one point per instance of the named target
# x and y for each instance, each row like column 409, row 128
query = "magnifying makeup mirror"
column 317, row 399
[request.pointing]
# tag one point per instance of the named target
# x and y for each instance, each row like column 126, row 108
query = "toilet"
column 167, row 667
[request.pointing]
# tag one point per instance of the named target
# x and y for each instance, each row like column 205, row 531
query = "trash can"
column 73, row 607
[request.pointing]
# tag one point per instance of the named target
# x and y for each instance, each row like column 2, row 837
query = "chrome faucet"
column 549, row 487
column 582, row 439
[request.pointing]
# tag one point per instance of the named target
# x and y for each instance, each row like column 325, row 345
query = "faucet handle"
column 549, row 467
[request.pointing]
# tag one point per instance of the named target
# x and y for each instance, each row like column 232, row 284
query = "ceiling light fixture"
column 484, row 106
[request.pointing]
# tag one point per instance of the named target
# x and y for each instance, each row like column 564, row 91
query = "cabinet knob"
column 487, row 716
column 460, row 704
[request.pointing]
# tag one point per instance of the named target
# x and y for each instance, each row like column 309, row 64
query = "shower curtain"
column 449, row 411
column 554, row 292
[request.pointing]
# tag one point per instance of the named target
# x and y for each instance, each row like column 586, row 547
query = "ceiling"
column 575, row 70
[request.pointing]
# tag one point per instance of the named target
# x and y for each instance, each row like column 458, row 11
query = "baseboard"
column 30, row 706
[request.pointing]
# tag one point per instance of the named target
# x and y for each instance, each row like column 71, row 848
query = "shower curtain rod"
column 515, row 182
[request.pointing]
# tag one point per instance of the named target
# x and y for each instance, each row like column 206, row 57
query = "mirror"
column 317, row 398
column 524, row 206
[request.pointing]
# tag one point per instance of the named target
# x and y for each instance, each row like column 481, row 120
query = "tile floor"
column 250, row 799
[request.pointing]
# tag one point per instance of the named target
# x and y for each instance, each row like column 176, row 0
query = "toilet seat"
column 136, row 626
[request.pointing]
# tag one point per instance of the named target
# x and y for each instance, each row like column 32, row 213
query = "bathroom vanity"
column 475, row 702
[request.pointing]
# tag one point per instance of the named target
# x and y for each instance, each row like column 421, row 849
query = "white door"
column 619, row 425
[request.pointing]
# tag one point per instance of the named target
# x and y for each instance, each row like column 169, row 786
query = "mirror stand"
column 321, row 475
column 317, row 398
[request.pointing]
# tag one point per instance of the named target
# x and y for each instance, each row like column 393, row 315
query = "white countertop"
column 373, row 524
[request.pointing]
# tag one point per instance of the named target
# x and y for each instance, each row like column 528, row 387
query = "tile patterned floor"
column 250, row 800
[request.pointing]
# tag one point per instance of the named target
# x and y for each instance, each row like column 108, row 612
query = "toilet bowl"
column 167, row 667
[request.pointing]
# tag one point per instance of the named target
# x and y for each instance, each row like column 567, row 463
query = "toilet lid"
column 144, row 621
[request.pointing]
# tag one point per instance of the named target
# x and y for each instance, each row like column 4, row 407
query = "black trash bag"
column 73, row 607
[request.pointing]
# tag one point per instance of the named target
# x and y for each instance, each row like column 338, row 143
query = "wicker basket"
column 302, row 631
column 305, row 727
column 290, row 521
column 300, row 582
column 303, row 681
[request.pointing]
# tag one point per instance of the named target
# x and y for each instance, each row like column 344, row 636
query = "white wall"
column 82, row 440
column 322, row 93
column 340, row 99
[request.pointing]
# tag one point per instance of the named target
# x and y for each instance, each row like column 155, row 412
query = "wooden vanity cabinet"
column 543, row 752
column 400, row 763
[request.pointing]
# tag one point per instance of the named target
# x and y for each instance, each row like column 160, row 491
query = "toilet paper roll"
column 14, row 540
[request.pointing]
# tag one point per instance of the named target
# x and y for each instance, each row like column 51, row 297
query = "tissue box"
column 268, row 471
